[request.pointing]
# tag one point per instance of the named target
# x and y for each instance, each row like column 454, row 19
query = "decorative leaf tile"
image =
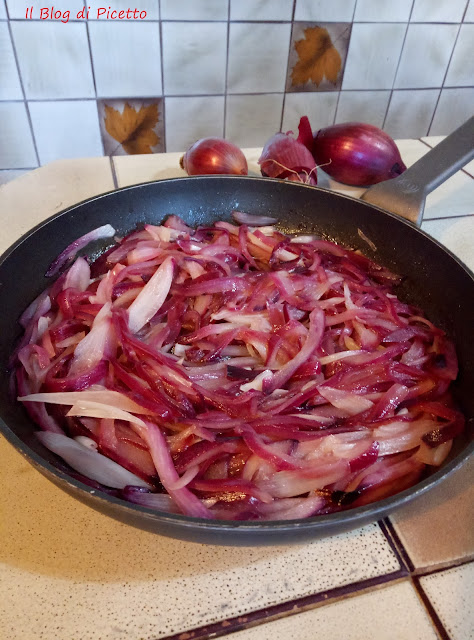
column 132, row 126
column 317, row 56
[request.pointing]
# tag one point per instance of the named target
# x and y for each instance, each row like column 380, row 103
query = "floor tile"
column 69, row 182
column 389, row 613
column 438, row 529
column 451, row 593
column 94, row 577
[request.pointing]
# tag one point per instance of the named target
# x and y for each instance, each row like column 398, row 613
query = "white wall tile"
column 10, row 88
column 461, row 67
column 363, row 106
column 66, row 129
column 150, row 6
column 11, row 174
column 425, row 55
column 194, row 57
column 251, row 120
column 325, row 10
column 320, row 107
column 16, row 142
column 454, row 108
column 469, row 15
column 126, row 58
column 258, row 55
column 3, row 11
column 450, row 592
column 62, row 69
column 17, row 8
column 194, row 9
column 382, row 10
column 410, row 113
column 261, row 9
column 366, row 66
column 438, row 10
column 189, row 119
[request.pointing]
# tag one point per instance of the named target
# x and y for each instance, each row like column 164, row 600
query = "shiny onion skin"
column 357, row 154
column 289, row 158
column 214, row 156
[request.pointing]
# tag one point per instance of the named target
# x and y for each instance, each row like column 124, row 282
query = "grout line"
column 25, row 101
column 285, row 609
column 283, row 103
column 114, row 173
column 396, row 544
column 247, row 93
column 398, row 66
column 226, row 73
column 431, row 611
column 444, row 79
column 163, row 117
column 464, row 215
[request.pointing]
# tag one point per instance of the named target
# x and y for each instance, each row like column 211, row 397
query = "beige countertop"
column 70, row 573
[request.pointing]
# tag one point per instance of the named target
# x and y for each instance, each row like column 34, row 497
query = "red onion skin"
column 357, row 154
column 214, row 156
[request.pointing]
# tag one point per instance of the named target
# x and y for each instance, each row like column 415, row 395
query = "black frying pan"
column 436, row 281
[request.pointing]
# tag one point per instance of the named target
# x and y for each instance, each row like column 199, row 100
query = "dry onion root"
column 234, row 372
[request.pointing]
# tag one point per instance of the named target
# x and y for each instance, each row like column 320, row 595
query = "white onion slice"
column 91, row 464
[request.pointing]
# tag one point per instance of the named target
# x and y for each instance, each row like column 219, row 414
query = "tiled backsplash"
column 242, row 69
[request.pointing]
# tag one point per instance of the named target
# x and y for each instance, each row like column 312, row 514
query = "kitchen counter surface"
column 69, row 573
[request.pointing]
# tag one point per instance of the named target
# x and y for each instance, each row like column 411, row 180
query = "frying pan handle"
column 406, row 194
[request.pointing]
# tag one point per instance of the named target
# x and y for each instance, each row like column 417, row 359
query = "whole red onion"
column 214, row 156
column 290, row 158
column 357, row 154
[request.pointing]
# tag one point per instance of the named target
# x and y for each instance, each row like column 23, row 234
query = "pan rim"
column 350, row 518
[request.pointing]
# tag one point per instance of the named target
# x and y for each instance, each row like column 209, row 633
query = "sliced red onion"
column 90, row 463
column 106, row 231
column 259, row 378
column 252, row 220
column 150, row 299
